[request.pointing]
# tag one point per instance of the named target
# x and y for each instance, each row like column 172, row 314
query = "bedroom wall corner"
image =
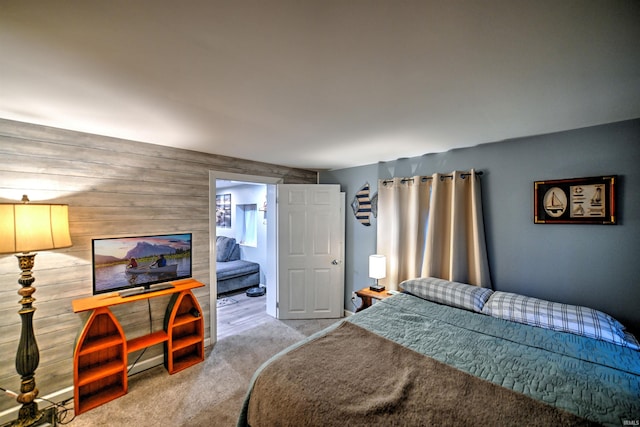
column 591, row 265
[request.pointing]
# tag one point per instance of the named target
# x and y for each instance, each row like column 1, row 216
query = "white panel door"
column 310, row 249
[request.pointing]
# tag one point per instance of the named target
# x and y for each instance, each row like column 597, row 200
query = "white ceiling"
column 319, row 84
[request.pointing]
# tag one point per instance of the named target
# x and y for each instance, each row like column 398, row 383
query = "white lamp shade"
column 377, row 266
column 26, row 227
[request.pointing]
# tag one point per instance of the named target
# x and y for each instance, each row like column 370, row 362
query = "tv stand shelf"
column 100, row 356
column 146, row 341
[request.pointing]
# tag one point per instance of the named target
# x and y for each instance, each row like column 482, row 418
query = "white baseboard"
column 66, row 393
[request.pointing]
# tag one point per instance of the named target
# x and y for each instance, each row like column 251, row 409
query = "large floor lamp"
column 26, row 227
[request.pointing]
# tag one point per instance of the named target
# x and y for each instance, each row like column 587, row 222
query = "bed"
column 446, row 353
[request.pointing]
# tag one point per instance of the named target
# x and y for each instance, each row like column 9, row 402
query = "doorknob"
column 335, row 262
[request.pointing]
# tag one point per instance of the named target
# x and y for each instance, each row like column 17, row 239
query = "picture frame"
column 223, row 210
column 589, row 200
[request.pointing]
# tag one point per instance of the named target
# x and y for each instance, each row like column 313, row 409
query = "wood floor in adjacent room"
column 242, row 314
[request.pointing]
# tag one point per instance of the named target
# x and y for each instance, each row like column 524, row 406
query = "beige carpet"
column 207, row 394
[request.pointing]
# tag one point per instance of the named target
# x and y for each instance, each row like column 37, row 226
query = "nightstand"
column 367, row 295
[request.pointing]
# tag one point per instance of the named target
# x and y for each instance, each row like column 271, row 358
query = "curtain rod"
column 427, row 178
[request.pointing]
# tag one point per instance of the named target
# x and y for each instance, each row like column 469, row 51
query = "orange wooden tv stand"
column 100, row 356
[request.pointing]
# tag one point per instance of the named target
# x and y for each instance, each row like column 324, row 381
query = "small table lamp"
column 26, row 227
column 377, row 270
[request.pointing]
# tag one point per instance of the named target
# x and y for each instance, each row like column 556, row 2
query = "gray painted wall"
column 592, row 265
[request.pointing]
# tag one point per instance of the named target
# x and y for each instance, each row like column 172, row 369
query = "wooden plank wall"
column 113, row 187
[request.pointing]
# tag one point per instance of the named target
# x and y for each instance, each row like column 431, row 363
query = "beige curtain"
column 433, row 226
column 403, row 207
column 455, row 248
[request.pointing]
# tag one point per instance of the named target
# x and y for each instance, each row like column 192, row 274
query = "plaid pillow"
column 442, row 291
column 558, row 317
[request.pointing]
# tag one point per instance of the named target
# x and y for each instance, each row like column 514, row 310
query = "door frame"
column 214, row 175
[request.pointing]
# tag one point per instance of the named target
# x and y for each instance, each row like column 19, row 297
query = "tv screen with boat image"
column 139, row 261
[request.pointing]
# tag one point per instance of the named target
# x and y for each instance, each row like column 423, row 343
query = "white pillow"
column 443, row 291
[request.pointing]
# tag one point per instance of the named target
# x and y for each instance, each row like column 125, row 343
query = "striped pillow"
column 442, row 291
column 559, row 317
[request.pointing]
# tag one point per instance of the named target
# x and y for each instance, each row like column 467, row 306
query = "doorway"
column 243, row 199
column 241, row 215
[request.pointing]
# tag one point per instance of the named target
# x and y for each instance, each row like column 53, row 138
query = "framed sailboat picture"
column 575, row 201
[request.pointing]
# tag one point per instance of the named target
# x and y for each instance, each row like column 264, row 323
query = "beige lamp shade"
column 26, row 227
column 377, row 266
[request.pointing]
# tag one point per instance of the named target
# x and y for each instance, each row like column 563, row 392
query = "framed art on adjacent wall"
column 223, row 210
column 575, row 201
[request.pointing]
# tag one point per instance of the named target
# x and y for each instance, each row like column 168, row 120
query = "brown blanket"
column 352, row 377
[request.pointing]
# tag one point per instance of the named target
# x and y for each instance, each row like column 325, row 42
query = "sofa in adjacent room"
column 233, row 273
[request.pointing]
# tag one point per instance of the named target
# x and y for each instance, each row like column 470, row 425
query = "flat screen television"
column 139, row 261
